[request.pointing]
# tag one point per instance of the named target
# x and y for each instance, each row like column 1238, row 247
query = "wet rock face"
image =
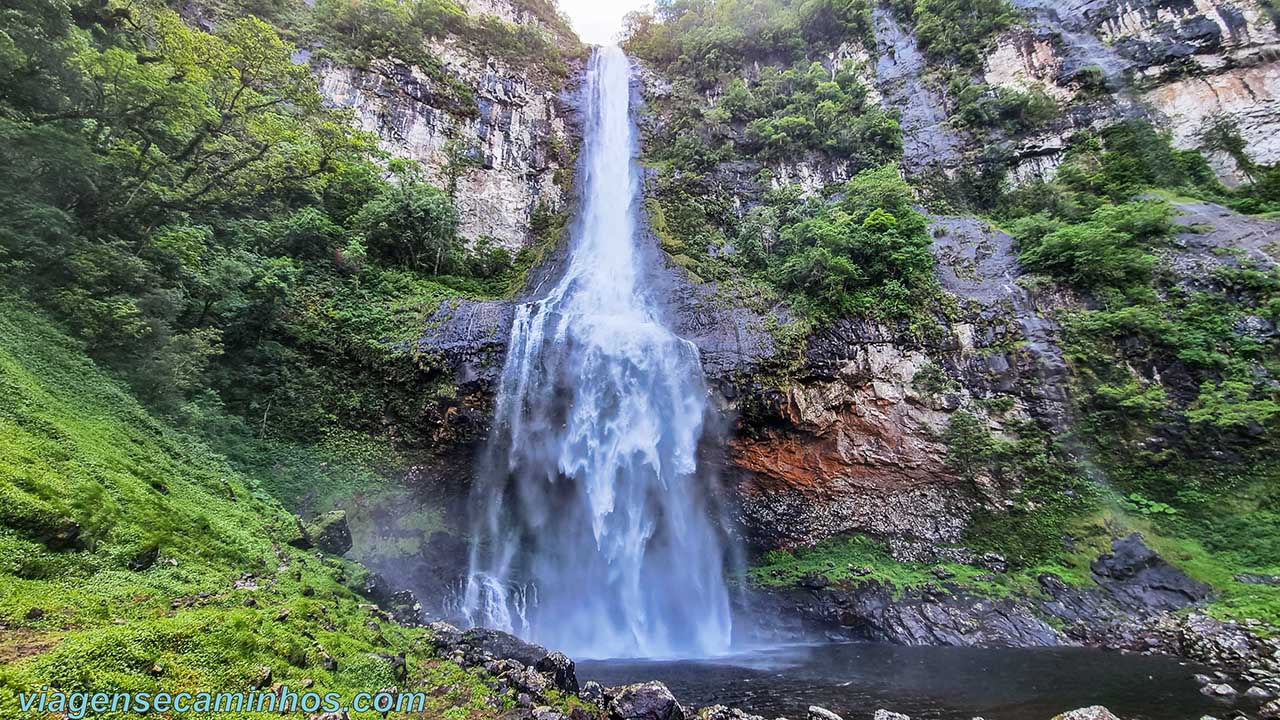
column 927, row 140
column 855, row 444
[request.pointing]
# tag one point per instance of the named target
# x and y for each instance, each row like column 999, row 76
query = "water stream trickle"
column 594, row 532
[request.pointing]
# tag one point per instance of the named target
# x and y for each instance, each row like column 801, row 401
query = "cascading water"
column 594, row 531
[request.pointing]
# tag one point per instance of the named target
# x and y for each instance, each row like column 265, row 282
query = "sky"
column 598, row 21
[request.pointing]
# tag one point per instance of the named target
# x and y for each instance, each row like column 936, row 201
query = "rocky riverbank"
column 537, row 678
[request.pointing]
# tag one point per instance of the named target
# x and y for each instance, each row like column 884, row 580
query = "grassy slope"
column 74, row 445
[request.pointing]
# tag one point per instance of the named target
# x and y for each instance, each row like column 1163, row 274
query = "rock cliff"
column 504, row 159
column 1186, row 64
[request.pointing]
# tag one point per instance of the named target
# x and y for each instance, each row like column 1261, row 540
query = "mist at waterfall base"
column 595, row 532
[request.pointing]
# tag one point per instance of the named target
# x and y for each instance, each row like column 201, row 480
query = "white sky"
column 598, row 21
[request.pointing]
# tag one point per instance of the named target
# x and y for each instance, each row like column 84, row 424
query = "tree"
column 414, row 225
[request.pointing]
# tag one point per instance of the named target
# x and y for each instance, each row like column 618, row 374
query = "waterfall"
column 594, row 530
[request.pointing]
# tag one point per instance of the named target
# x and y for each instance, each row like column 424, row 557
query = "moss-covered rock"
column 330, row 532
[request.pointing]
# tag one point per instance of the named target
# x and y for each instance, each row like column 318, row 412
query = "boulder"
column 817, row 712
column 644, row 701
column 404, row 608
column 144, row 559
column 1270, row 711
column 1093, row 712
column 444, row 636
column 503, row 645
column 1257, row 693
column 399, row 668
column 994, row 562
column 593, row 693
column 1218, row 690
column 814, row 582
column 885, row 715
column 330, row 532
column 1137, row 576
column 63, row 534
column 262, row 678
column 560, row 670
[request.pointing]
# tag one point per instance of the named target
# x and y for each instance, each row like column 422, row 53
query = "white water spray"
column 594, row 531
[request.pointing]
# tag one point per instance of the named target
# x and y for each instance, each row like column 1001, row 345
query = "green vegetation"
column 788, row 112
column 185, row 202
column 984, row 109
column 858, row 557
column 863, row 252
column 709, row 41
column 956, row 32
column 360, row 31
column 123, row 541
column 1175, row 400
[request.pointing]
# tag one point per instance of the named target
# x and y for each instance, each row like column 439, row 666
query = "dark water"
column 927, row 682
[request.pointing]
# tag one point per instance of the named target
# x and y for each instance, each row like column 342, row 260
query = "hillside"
column 137, row 560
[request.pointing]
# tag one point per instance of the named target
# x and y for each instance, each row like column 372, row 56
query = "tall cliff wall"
column 1185, row 63
column 503, row 160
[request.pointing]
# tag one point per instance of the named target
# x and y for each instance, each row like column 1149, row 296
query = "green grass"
column 846, row 559
column 75, row 447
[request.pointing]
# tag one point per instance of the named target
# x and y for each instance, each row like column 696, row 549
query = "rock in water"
column 1218, row 689
column 820, row 713
column 644, row 701
column 889, row 715
column 1093, row 712
column 331, row 533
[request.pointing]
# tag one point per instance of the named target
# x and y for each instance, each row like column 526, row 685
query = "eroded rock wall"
column 510, row 157
column 1186, row 64
column 855, row 442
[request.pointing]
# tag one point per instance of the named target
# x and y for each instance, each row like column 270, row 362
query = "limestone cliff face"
column 1184, row 63
column 504, row 159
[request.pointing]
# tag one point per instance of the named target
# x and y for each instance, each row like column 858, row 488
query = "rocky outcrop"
column 1128, row 606
column 1139, row 577
column 854, row 444
column 1185, row 64
column 928, row 143
column 522, row 666
column 644, row 701
column 503, row 159
column 330, row 532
